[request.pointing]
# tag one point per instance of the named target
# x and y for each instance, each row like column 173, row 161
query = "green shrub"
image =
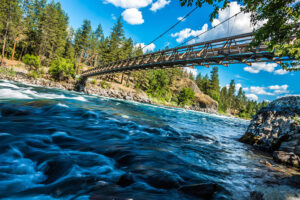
column 7, row 72
column 185, row 96
column 105, row 85
column 32, row 61
column 93, row 81
column 33, row 74
column 62, row 68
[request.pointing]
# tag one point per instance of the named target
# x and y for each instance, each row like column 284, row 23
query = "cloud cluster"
column 257, row 67
column 131, row 14
column 252, row 97
column 270, row 90
column 159, row 4
column 268, row 67
column 186, row 33
column 237, row 25
column 150, row 47
column 129, row 3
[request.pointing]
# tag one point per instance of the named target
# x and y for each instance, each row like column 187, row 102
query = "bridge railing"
column 224, row 51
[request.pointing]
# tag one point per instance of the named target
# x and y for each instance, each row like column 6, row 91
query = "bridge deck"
column 223, row 51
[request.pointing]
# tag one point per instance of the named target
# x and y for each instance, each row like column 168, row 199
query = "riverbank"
column 104, row 88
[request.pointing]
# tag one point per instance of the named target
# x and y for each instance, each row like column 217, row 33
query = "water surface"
column 56, row 144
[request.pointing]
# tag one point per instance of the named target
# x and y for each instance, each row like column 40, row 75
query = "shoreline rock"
column 276, row 129
column 118, row 93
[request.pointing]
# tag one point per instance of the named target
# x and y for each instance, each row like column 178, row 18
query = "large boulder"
column 276, row 128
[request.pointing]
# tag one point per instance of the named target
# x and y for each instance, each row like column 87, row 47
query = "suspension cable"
column 209, row 29
column 182, row 19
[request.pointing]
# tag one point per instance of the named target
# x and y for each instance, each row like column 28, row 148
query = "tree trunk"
column 81, row 54
column 14, row 49
column 122, row 78
column 96, row 60
column 21, row 55
column 4, row 42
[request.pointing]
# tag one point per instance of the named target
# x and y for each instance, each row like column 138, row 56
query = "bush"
column 185, row 96
column 93, row 81
column 32, row 61
column 158, row 84
column 33, row 74
column 105, row 85
column 62, row 68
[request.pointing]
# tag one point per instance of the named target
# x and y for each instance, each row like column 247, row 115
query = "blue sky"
column 146, row 19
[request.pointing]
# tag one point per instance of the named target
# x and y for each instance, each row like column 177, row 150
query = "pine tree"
column 10, row 13
column 116, row 40
column 224, row 99
column 231, row 92
column 53, row 32
column 205, row 84
column 214, row 88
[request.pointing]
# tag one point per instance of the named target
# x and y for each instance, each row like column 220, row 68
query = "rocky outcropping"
column 276, row 128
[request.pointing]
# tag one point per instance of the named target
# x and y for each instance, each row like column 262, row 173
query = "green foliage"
column 214, row 86
column 280, row 27
column 33, row 62
column 7, row 72
column 93, row 81
column 105, row 84
column 61, row 69
column 33, row 74
column 185, row 96
column 158, row 84
column 296, row 120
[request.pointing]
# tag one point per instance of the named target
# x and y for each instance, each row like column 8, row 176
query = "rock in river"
column 276, row 129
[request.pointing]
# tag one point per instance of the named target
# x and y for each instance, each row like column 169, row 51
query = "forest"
column 37, row 33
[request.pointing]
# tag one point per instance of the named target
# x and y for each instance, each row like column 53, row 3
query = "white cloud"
column 150, row 47
column 180, row 18
column 252, row 97
column 259, row 90
column 190, row 70
column 113, row 17
column 279, row 89
column 270, row 90
column 159, row 4
column 281, row 72
column 237, row 25
column 129, row 3
column 186, row 33
column 238, row 86
column 257, row 67
column 133, row 16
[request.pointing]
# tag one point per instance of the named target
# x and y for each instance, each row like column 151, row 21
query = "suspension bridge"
column 223, row 51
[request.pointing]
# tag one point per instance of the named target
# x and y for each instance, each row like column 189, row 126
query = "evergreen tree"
column 10, row 13
column 116, row 41
column 224, row 99
column 53, row 32
column 214, row 88
column 205, row 84
column 231, row 94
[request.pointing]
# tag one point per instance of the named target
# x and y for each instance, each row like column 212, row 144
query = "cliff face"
column 202, row 102
column 276, row 128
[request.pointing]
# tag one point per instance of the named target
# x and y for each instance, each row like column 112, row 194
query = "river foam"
column 56, row 144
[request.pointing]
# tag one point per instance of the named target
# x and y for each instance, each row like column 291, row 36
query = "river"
column 56, row 144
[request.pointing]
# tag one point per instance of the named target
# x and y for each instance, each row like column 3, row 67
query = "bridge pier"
column 80, row 84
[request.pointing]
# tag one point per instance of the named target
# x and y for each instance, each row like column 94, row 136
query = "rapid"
column 57, row 144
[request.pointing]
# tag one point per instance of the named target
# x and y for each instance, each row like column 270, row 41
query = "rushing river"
column 56, row 144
